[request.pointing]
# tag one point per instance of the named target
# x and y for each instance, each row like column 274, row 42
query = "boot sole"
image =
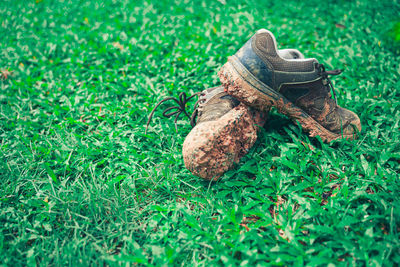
column 244, row 86
column 213, row 147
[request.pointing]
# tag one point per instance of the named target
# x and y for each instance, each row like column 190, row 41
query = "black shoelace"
column 177, row 110
column 324, row 75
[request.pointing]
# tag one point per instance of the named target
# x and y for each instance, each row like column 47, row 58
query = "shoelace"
column 324, row 75
column 177, row 110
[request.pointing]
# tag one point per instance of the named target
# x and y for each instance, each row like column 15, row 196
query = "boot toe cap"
column 350, row 121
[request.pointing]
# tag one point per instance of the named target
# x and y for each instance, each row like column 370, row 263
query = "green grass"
column 81, row 183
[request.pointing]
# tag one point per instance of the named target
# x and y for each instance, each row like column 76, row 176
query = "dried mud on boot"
column 213, row 147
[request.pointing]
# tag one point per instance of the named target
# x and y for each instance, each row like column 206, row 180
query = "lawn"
column 82, row 184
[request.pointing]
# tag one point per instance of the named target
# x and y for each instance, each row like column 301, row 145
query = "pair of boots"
column 257, row 77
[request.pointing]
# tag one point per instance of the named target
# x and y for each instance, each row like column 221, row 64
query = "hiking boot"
column 299, row 88
column 224, row 129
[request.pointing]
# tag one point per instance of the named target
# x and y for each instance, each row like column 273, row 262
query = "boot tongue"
column 290, row 54
column 208, row 94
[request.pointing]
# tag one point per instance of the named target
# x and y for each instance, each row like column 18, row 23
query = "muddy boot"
column 225, row 131
column 299, row 88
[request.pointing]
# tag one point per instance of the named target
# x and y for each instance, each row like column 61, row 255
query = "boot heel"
column 238, row 87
